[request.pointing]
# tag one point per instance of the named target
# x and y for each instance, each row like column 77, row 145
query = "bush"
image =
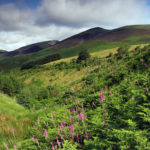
column 33, row 63
column 83, row 55
column 10, row 85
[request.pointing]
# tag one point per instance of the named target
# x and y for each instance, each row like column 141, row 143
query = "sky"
column 24, row 22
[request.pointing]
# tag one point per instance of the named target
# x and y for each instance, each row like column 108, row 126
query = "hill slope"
column 93, row 40
column 101, row 103
column 14, row 121
column 30, row 48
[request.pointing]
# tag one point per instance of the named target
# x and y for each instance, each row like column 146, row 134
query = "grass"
column 92, row 46
column 49, row 76
column 82, row 85
column 14, row 121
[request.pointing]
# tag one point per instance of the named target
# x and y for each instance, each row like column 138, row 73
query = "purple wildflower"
column 61, row 126
column 147, row 90
column 15, row 147
column 6, row 147
column 70, row 128
column 38, row 120
column 45, row 133
column 36, row 141
column 58, row 143
column 102, row 96
column 81, row 116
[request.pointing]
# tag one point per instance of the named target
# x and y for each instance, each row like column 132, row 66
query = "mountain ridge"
column 96, row 33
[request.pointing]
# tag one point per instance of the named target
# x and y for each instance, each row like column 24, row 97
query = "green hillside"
column 125, row 36
column 14, row 121
column 100, row 103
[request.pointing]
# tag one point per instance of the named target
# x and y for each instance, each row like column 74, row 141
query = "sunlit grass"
column 14, row 121
column 61, row 78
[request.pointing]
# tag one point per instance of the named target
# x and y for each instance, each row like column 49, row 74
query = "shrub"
column 83, row 55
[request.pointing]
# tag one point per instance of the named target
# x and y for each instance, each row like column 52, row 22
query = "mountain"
column 81, row 38
column 2, row 51
column 92, row 40
column 115, row 35
column 67, row 43
column 126, row 32
column 101, row 34
column 31, row 48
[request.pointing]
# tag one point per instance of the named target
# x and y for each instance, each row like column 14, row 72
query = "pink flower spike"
column 82, row 105
column 82, row 110
column 15, row 147
column 58, row 143
column 55, row 147
column 147, row 90
column 81, row 116
column 13, row 131
column 6, row 147
column 52, row 118
column 93, row 104
column 110, row 92
column 61, row 126
column 74, row 110
column 102, row 96
column 45, row 133
column 32, row 138
column 131, row 83
column 36, row 141
column 70, row 128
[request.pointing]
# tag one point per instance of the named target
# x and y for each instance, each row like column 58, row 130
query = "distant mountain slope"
column 3, row 51
column 124, row 33
column 93, row 40
column 97, row 33
column 81, row 38
column 31, row 48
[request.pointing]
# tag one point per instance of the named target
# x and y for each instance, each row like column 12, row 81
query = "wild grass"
column 64, row 77
column 14, row 121
column 92, row 46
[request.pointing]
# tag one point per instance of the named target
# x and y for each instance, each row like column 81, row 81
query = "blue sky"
column 28, row 3
column 24, row 22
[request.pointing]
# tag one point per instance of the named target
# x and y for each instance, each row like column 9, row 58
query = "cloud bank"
column 58, row 19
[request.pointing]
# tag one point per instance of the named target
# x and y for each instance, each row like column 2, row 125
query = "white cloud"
column 59, row 19
column 92, row 12
column 14, row 19
column 14, row 40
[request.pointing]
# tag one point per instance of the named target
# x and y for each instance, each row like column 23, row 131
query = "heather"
column 103, row 105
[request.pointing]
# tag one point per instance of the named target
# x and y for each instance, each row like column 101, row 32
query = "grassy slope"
column 50, row 76
column 88, row 93
column 93, row 46
column 121, row 128
column 14, row 120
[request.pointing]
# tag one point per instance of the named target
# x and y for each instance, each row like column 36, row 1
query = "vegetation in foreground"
column 105, row 107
